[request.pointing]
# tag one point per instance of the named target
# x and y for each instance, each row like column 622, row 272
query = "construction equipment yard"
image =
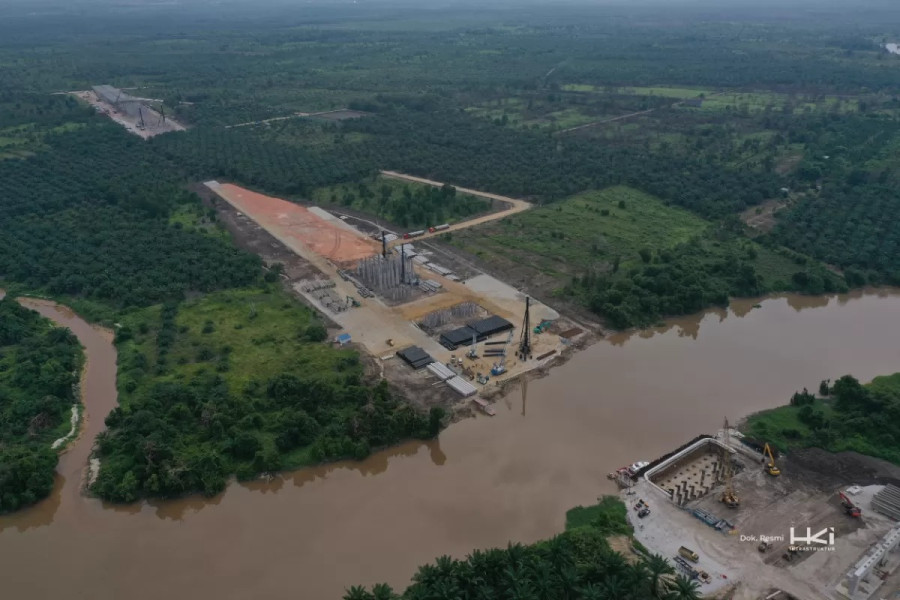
column 390, row 297
column 134, row 114
column 791, row 535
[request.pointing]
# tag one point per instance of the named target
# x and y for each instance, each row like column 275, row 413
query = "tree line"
column 847, row 416
column 575, row 565
column 39, row 371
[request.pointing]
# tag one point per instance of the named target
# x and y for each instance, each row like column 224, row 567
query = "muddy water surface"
column 485, row 481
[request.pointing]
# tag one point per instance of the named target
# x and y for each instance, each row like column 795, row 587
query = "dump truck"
column 688, row 554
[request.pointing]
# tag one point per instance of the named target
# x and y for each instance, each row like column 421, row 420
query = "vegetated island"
column 40, row 366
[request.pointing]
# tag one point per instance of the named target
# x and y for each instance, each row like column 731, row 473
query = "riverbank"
column 872, row 412
column 482, row 483
column 96, row 394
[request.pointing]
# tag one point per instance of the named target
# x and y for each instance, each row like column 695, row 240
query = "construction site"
column 750, row 524
column 136, row 115
column 437, row 332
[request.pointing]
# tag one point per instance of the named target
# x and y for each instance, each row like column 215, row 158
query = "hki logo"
column 822, row 538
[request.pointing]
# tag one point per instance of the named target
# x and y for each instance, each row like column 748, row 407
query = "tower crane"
column 473, row 351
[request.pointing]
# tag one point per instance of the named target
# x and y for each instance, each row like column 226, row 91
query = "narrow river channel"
column 312, row 533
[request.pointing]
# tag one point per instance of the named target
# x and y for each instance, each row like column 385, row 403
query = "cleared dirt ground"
column 153, row 121
column 311, row 244
column 416, row 386
column 762, row 217
column 805, row 495
column 333, row 241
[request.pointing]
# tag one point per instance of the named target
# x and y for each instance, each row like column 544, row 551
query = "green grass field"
column 664, row 92
column 195, row 217
column 758, row 101
column 22, row 141
column 862, row 419
column 776, row 270
column 608, row 516
column 778, row 426
column 518, row 114
column 584, row 231
column 736, row 100
column 246, row 335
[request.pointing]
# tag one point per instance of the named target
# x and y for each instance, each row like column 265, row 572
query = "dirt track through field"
column 515, row 205
column 621, row 117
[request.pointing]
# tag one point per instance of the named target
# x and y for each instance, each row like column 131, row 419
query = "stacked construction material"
column 490, row 326
column 415, row 357
column 461, row 386
column 887, row 502
column 441, row 370
column 480, row 330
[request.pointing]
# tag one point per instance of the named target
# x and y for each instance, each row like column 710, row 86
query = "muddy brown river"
column 314, row 532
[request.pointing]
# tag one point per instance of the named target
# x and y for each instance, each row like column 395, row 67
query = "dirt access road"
column 515, row 205
column 621, row 117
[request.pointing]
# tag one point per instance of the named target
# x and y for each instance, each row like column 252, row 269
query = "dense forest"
column 575, row 565
column 845, row 415
column 688, row 278
column 39, row 371
column 716, row 116
column 89, row 216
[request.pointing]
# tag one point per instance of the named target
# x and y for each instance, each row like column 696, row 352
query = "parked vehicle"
column 688, row 554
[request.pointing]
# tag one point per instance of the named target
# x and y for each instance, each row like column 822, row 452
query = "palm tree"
column 546, row 583
column 426, row 575
column 446, row 566
column 485, row 592
column 614, row 588
column 357, row 592
column 685, row 589
column 382, row 591
column 444, row 589
column 569, row 579
column 513, row 576
column 516, row 553
column 637, row 580
column 558, row 551
column 591, row 592
column 657, row 566
column 612, row 563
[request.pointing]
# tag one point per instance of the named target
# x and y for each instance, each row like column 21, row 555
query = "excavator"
column 771, row 468
column 850, row 508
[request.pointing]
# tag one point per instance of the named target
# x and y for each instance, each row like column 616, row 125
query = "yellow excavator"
column 771, row 468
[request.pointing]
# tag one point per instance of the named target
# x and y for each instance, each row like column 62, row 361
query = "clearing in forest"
column 587, row 230
column 294, row 224
column 407, row 204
